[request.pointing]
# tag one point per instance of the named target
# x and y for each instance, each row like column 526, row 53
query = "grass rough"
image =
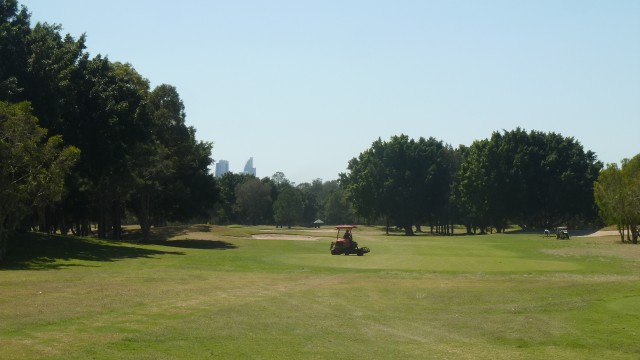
column 215, row 292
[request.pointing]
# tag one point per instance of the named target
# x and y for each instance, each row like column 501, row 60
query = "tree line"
column 84, row 140
column 246, row 199
column 128, row 146
column 533, row 179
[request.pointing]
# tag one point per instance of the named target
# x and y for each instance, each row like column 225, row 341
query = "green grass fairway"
column 208, row 292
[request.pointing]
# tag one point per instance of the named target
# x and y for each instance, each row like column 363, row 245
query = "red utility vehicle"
column 345, row 244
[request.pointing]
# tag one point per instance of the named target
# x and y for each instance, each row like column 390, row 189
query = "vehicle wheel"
column 360, row 252
column 332, row 248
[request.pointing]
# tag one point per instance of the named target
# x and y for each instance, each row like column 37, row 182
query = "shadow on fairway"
column 44, row 252
column 165, row 236
column 198, row 244
column 161, row 234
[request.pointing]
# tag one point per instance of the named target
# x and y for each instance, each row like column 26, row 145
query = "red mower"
column 345, row 244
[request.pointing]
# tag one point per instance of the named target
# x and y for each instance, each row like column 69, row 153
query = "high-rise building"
column 248, row 168
column 222, row 167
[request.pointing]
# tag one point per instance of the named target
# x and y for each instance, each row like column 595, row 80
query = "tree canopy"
column 32, row 166
column 401, row 180
column 532, row 179
column 617, row 194
column 137, row 154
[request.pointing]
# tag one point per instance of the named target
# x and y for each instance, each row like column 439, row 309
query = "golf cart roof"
column 346, row 226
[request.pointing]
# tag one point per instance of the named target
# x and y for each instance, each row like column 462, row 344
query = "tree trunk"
column 408, row 229
column 144, row 217
column 621, row 232
column 4, row 239
column 117, row 222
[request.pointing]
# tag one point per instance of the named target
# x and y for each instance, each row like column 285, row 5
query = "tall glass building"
column 222, row 167
column 248, row 168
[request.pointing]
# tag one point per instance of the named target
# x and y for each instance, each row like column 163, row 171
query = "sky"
column 305, row 86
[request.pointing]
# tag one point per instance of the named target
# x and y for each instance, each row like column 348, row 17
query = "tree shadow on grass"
column 166, row 236
column 159, row 235
column 197, row 244
column 45, row 252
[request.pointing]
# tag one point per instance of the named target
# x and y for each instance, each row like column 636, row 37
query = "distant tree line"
column 246, row 199
column 532, row 179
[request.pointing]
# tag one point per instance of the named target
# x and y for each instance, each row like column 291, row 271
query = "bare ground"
column 285, row 237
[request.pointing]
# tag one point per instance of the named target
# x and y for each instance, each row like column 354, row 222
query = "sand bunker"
column 599, row 233
column 284, row 237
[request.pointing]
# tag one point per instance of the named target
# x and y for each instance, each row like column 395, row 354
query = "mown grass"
column 214, row 292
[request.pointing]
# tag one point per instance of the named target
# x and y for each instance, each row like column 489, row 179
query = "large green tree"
column 288, row 207
column 170, row 167
column 617, row 194
column 137, row 150
column 228, row 184
column 15, row 27
column 402, row 180
column 253, row 201
column 336, row 207
column 534, row 179
column 32, row 166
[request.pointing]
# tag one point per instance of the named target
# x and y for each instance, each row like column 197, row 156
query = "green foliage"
column 14, row 32
column 617, row 194
column 288, row 208
column 402, row 180
column 228, row 183
column 337, row 209
column 170, row 165
column 32, row 167
column 253, row 200
column 532, row 179
column 137, row 151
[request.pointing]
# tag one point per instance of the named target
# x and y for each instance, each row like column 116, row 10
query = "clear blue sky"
column 304, row 86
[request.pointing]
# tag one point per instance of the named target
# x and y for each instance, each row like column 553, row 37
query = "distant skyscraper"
column 222, row 167
column 248, row 168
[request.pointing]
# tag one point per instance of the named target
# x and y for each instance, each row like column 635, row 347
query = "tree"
column 617, row 194
column 402, row 180
column 631, row 178
column 337, row 209
column 533, row 179
column 472, row 194
column 51, row 78
column 311, row 200
column 14, row 31
column 253, row 200
column 228, row 184
column 110, row 127
column 610, row 197
column 288, row 208
column 365, row 183
column 170, row 169
column 32, row 167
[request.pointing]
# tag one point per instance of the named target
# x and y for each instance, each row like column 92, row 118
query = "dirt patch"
column 600, row 233
column 284, row 237
column 309, row 230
